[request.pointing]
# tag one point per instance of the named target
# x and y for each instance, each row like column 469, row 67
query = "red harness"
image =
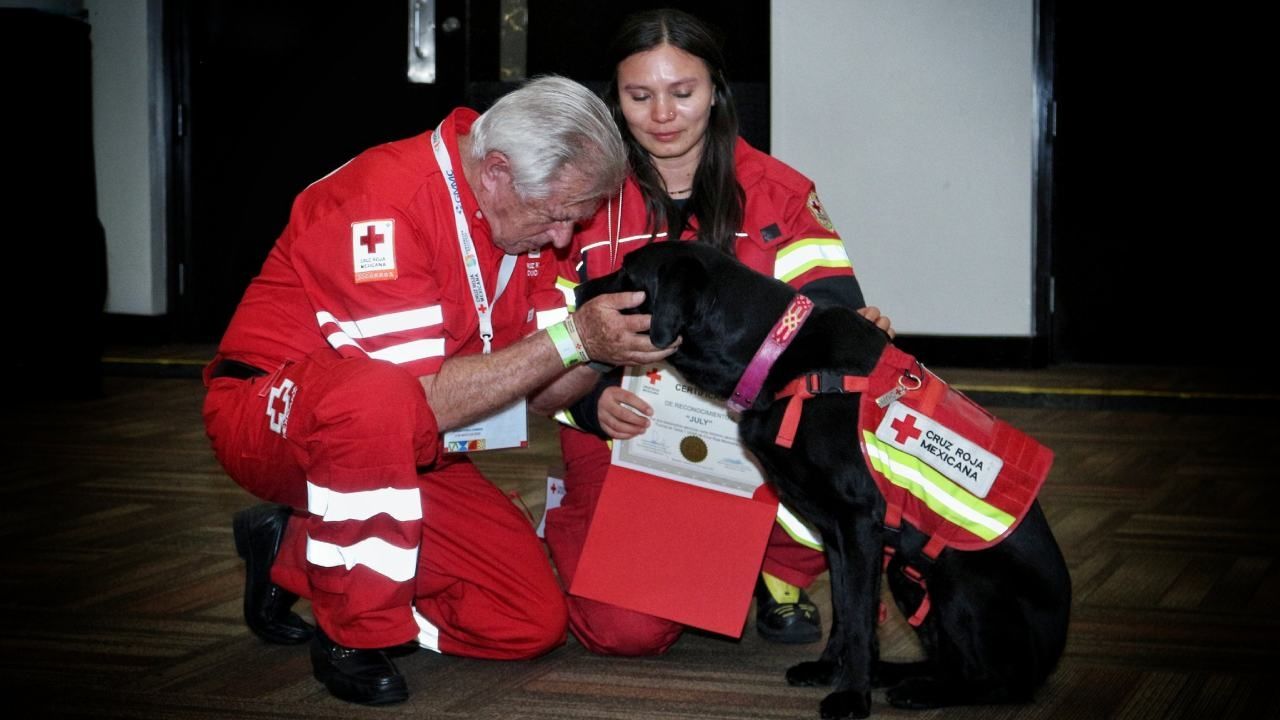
column 996, row 467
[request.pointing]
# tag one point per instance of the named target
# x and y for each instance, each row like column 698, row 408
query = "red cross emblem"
column 370, row 240
column 906, row 428
column 654, row 376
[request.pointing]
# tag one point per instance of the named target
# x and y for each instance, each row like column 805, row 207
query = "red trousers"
column 390, row 541
column 608, row 629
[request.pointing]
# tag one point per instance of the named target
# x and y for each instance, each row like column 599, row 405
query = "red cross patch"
column 373, row 250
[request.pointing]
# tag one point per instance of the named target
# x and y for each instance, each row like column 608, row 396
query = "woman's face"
column 666, row 96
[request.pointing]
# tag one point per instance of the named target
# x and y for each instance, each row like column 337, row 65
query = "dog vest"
column 956, row 473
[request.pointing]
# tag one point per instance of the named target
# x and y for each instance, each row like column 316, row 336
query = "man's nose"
column 561, row 234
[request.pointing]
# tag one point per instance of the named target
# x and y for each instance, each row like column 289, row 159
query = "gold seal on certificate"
column 693, row 449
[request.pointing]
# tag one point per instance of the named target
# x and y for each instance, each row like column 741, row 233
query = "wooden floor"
column 121, row 589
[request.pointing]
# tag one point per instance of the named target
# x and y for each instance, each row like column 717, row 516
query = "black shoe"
column 786, row 622
column 359, row 676
column 258, row 531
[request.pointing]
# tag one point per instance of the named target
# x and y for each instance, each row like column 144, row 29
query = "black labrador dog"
column 998, row 618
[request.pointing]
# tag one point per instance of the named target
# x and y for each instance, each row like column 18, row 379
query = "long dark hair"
column 717, row 199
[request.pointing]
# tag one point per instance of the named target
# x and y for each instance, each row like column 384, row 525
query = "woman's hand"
column 872, row 313
column 616, row 416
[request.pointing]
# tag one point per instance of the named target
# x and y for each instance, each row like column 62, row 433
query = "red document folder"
column 675, row 550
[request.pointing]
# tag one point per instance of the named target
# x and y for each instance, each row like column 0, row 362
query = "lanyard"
column 470, row 261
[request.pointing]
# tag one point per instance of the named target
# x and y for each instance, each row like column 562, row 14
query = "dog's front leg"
column 853, row 556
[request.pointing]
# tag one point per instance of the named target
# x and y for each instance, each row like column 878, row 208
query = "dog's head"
column 721, row 308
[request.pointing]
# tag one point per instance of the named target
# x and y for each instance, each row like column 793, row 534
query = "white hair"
column 550, row 123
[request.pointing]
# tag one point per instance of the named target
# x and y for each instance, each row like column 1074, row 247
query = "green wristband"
column 565, row 346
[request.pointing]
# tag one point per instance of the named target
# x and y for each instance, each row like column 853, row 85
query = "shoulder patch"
column 819, row 212
column 373, row 250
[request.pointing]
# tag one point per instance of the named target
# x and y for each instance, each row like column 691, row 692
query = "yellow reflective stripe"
column 566, row 287
column 934, row 489
column 798, row 529
column 804, row 255
column 564, row 417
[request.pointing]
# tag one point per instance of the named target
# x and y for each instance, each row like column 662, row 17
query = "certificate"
column 691, row 438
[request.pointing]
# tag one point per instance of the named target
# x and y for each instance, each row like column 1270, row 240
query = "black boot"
column 267, row 612
column 359, row 676
column 785, row 614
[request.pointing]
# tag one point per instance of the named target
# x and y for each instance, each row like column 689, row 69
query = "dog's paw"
column 844, row 704
column 812, row 673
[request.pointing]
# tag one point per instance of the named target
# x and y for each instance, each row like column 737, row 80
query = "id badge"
column 507, row 428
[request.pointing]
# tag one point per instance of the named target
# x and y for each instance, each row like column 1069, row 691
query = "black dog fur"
column 999, row 616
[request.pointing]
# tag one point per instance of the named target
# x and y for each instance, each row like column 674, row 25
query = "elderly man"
column 402, row 301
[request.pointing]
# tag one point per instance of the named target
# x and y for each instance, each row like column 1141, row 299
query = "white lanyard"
column 470, row 261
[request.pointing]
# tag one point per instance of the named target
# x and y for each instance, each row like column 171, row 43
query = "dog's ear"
column 674, row 294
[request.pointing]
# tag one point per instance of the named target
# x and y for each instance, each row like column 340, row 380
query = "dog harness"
column 956, row 473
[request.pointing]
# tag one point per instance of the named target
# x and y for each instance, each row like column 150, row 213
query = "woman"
column 692, row 178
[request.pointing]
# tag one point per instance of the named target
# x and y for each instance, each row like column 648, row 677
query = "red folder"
column 674, row 550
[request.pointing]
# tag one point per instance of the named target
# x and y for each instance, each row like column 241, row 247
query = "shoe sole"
column 396, row 692
column 786, row 638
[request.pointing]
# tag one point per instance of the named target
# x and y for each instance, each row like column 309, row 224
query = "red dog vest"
column 959, row 475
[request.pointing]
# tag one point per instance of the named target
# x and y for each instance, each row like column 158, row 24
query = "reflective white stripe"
column 935, row 492
column 567, row 288
column 800, row 256
column 382, row 324
column 338, row 339
column 551, row 317
column 428, row 634
column 632, row 238
column 410, row 351
column 336, row 506
column 398, row 354
column 798, row 529
column 380, row 556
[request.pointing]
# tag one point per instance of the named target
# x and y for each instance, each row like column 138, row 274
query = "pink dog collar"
column 783, row 332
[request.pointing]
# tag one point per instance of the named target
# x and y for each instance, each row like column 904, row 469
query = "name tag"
column 506, row 428
column 959, row 459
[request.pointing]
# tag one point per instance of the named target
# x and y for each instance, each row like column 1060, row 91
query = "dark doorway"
column 1157, row 255
column 273, row 96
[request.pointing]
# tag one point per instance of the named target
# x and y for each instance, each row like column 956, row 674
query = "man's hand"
column 617, row 419
column 614, row 338
column 872, row 313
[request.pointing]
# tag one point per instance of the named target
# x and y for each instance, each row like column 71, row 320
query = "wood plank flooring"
column 121, row 589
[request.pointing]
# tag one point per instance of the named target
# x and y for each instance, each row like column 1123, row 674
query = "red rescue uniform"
column 364, row 292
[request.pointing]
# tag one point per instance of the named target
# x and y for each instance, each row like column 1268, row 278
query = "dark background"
column 1153, row 183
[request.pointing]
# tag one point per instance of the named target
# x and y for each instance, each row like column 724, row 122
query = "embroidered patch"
column 373, row 249
column 961, row 460
column 279, row 403
column 819, row 212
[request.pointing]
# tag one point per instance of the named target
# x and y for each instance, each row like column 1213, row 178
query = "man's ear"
column 495, row 169
column 673, row 299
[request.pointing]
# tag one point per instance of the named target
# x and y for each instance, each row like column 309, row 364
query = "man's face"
column 521, row 225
